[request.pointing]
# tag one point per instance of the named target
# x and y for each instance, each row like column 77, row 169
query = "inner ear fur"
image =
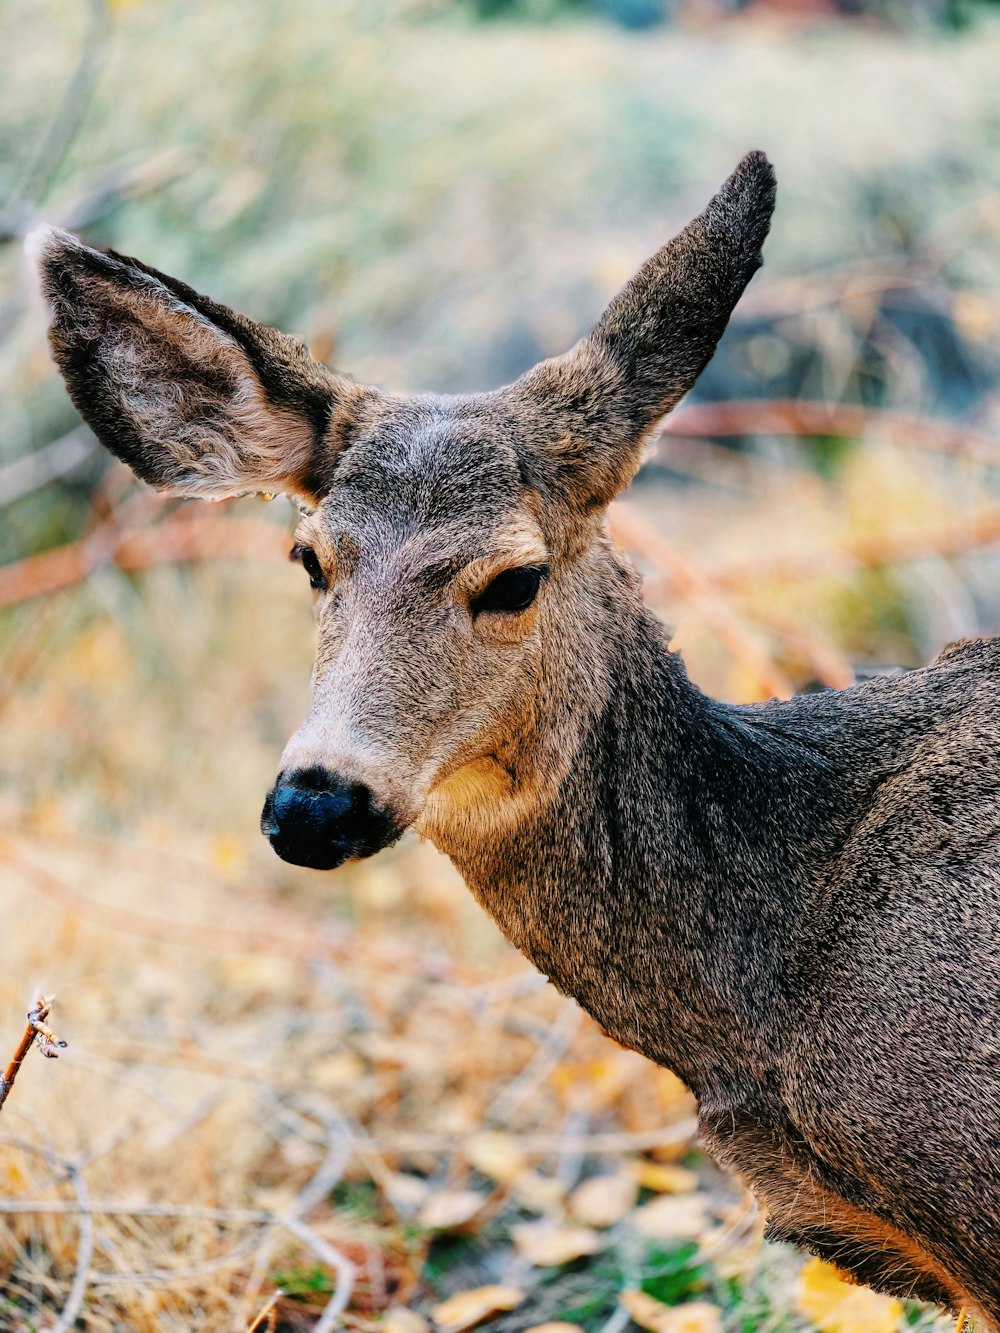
column 195, row 398
column 586, row 414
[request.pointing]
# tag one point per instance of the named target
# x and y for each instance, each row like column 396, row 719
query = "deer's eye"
column 513, row 590
column 310, row 563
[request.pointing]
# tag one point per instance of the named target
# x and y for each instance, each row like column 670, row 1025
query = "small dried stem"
column 37, row 1033
column 269, row 1314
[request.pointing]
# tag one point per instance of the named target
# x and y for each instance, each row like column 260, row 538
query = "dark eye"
column 310, row 563
column 513, row 590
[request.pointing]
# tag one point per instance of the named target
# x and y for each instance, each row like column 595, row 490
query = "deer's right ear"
column 196, row 399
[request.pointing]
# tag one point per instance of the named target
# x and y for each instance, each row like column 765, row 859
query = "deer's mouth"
column 317, row 819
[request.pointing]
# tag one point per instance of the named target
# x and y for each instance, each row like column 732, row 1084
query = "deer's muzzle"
column 315, row 818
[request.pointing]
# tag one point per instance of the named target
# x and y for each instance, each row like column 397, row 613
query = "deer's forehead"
column 426, row 469
column 429, row 490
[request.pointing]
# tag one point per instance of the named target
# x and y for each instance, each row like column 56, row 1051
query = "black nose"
column 314, row 818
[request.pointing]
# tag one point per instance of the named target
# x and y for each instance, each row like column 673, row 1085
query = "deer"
column 793, row 904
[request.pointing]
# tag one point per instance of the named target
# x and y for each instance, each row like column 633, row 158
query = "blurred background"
column 347, row 1088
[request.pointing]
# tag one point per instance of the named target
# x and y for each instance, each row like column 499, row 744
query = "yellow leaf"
column 496, row 1156
column 466, row 1309
column 671, row 1093
column 672, row 1218
column 837, row 1306
column 665, row 1179
column 551, row 1247
column 695, row 1317
column 554, row 1326
column 603, row 1200
column 450, row 1208
column 229, row 856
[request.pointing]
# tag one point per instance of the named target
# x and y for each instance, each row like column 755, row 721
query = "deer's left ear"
column 584, row 415
column 195, row 398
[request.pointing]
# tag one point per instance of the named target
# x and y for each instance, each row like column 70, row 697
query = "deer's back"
column 895, row 1069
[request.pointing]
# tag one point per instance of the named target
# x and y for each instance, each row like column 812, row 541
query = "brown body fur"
column 793, row 905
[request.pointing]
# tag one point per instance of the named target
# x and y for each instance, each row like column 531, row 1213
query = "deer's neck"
column 665, row 882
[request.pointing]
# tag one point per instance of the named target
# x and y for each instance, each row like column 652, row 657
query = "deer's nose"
column 315, row 818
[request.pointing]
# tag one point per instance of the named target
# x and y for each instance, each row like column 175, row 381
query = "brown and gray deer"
column 795, row 905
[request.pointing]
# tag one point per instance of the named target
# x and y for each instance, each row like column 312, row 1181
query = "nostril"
column 310, row 808
column 314, row 778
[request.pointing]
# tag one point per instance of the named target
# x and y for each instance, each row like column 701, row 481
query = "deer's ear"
column 587, row 412
column 196, row 399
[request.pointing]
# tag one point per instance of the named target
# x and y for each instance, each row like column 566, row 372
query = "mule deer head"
column 455, row 544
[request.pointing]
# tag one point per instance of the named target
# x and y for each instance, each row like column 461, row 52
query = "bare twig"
column 338, row 1143
column 37, row 1033
column 268, row 1313
column 551, row 1050
column 184, row 536
column 28, row 473
column 84, row 1254
column 956, row 536
column 85, row 1223
column 787, row 416
column 220, row 939
column 633, row 531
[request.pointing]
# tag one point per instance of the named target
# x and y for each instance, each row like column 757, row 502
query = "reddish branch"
column 785, row 416
column 37, row 1033
column 184, row 536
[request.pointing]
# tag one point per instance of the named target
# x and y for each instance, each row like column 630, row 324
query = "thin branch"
column 962, row 535
column 628, row 527
column 268, row 1313
column 340, row 1264
column 36, row 469
column 37, row 1033
column 212, row 936
column 84, row 1254
column 181, row 538
column 786, row 416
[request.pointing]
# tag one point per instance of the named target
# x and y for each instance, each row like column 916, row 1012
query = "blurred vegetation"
column 436, row 194
column 641, row 14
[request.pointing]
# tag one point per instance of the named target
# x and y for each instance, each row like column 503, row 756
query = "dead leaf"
column 665, row 1179
column 554, row 1327
column 450, row 1208
column 466, row 1309
column 406, row 1193
column 549, row 1246
column 537, row 1192
column 673, row 1218
column 837, row 1306
column 695, row 1317
column 400, row 1320
column 333, row 1073
column 603, row 1200
column 496, row 1156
